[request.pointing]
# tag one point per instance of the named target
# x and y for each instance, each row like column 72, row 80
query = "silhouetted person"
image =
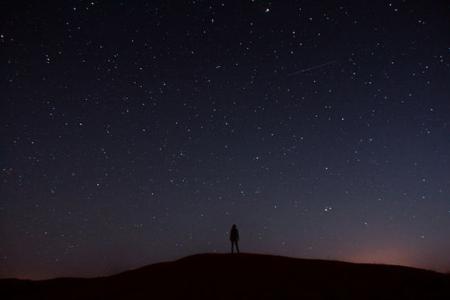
column 234, row 238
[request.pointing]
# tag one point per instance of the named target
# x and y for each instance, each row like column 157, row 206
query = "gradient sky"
column 134, row 132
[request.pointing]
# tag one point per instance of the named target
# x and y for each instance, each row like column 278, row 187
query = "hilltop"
column 243, row 276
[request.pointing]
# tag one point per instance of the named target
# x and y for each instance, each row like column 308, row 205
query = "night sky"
column 134, row 132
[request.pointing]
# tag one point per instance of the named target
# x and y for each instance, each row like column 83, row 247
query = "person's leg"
column 237, row 247
column 232, row 247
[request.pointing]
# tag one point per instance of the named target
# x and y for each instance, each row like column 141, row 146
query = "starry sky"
column 134, row 132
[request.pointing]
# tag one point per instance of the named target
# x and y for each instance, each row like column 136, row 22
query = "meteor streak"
column 316, row 67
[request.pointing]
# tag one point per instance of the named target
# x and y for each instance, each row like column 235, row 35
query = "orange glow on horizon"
column 388, row 255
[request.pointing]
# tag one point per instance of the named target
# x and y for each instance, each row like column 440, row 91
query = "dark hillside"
column 244, row 276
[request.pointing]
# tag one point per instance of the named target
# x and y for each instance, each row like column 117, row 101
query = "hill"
column 243, row 276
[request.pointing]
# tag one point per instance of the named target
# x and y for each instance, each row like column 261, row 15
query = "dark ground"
column 243, row 276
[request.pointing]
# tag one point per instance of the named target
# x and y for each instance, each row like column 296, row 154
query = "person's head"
column 234, row 226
